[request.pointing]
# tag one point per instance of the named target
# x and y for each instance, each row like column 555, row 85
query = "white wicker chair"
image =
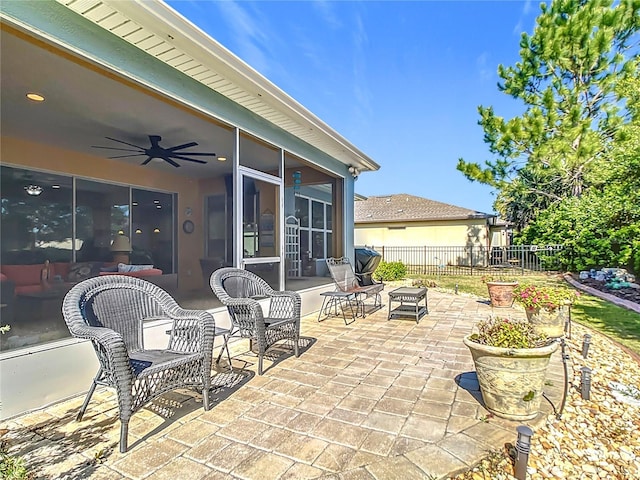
column 110, row 310
column 240, row 291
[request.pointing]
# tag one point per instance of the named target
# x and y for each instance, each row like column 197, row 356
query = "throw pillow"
column 82, row 271
column 122, row 268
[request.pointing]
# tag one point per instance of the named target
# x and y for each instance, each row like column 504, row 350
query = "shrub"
column 390, row 271
column 12, row 468
column 508, row 333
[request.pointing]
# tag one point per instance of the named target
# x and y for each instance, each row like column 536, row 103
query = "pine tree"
column 566, row 78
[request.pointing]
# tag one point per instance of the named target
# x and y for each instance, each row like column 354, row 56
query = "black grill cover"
column 367, row 260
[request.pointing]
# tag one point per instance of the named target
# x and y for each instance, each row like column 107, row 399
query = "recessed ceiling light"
column 55, row 186
column 36, row 97
column 222, row 159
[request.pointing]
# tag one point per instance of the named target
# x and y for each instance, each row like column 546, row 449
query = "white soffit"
column 157, row 29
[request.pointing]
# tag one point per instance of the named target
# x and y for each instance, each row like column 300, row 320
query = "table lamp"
column 121, row 247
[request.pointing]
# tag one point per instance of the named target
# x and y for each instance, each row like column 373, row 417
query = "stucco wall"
column 437, row 234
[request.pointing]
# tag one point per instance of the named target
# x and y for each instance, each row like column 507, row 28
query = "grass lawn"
column 615, row 322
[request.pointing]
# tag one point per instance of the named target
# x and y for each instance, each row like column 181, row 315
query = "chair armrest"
column 112, row 353
column 192, row 331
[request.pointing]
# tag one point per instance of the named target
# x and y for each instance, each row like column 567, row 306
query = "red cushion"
column 3, row 277
column 23, row 274
column 60, row 268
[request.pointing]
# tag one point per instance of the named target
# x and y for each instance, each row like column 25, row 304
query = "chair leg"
column 260, row 363
column 225, row 346
column 89, row 394
column 205, row 396
column 124, row 431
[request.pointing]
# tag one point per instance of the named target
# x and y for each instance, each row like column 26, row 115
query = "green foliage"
column 549, row 298
column 389, row 271
column 12, row 468
column 508, row 333
column 573, row 78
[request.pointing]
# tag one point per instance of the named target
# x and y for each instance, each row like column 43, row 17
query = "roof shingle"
column 403, row 207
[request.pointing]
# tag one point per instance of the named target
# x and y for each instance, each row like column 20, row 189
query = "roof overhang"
column 157, row 29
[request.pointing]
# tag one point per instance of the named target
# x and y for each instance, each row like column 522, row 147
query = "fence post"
column 472, row 247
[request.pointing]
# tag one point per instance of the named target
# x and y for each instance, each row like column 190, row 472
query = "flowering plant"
column 549, row 298
column 508, row 333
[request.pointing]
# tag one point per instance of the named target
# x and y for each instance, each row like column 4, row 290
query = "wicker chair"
column 110, row 310
column 346, row 281
column 240, row 291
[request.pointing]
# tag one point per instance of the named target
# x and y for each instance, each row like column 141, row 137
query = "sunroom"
column 133, row 142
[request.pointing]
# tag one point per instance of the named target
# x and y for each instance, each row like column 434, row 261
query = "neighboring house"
column 403, row 220
column 151, row 130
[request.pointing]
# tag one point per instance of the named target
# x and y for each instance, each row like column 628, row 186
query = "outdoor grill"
column 367, row 260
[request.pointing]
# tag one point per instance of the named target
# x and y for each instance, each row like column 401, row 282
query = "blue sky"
column 400, row 80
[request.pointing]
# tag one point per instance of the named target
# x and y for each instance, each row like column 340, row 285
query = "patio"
column 373, row 399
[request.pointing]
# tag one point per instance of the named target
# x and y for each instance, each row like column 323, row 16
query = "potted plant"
column 547, row 308
column 500, row 290
column 511, row 362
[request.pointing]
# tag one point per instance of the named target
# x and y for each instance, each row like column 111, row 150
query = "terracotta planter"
column 548, row 322
column 511, row 380
column 501, row 293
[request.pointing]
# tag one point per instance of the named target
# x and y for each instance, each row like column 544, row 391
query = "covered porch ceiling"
column 84, row 106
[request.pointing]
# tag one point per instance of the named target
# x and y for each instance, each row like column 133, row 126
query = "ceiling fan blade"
column 180, row 157
column 168, row 160
column 180, row 147
column 126, row 143
column 149, row 158
column 127, row 156
column 116, row 148
column 196, row 153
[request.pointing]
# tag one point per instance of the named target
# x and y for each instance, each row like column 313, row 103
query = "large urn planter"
column 511, row 379
column 549, row 322
column 501, row 293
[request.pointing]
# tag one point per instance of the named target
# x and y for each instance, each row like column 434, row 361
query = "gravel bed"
column 593, row 439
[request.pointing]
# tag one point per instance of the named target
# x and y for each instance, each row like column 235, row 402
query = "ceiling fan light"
column 34, row 190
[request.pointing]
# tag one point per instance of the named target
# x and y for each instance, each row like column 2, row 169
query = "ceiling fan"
column 156, row 151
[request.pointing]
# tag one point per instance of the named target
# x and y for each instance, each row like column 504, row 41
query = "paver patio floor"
column 375, row 399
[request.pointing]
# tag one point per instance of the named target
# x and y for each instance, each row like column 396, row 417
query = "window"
column 152, row 227
column 315, row 236
column 38, row 220
column 102, row 213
